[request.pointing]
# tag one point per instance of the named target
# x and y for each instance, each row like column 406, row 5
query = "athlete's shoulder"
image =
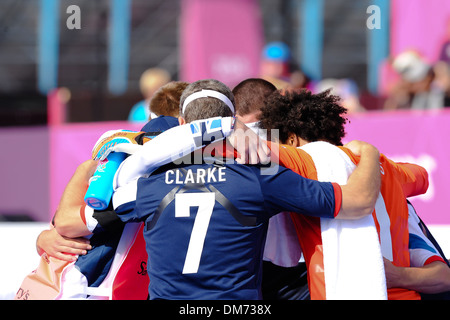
column 351, row 155
column 297, row 160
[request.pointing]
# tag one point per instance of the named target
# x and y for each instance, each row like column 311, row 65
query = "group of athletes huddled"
column 193, row 203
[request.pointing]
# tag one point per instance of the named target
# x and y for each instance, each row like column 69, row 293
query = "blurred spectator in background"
column 277, row 67
column 57, row 106
column 445, row 48
column 344, row 88
column 275, row 64
column 419, row 86
column 299, row 80
column 151, row 80
column 442, row 80
column 442, row 67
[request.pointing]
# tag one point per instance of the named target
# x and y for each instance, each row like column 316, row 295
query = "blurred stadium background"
column 60, row 88
column 154, row 41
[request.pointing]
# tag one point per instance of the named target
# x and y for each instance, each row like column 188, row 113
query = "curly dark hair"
column 312, row 117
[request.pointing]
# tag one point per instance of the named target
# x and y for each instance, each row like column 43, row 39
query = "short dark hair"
column 312, row 117
column 250, row 95
column 205, row 108
column 166, row 100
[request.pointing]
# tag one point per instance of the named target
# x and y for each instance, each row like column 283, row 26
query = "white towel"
column 353, row 263
column 282, row 247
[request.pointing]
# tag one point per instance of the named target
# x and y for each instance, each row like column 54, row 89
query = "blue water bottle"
column 100, row 190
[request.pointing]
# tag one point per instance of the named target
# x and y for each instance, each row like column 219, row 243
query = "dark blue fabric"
column 231, row 254
column 160, row 124
column 96, row 263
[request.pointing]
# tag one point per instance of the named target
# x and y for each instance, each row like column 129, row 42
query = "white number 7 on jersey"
column 205, row 202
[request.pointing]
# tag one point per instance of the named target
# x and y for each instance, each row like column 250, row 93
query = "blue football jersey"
column 205, row 224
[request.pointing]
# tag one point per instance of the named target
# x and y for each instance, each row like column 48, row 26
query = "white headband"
column 206, row 94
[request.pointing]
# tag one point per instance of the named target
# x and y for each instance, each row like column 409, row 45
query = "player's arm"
column 431, row 278
column 363, row 186
column 289, row 191
column 414, row 178
column 168, row 146
column 74, row 218
column 428, row 273
column 69, row 216
column 354, row 200
column 179, row 141
column 55, row 245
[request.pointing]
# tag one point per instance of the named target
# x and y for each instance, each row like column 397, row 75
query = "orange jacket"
column 398, row 181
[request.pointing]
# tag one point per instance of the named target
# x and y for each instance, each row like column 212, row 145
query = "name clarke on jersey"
column 212, row 174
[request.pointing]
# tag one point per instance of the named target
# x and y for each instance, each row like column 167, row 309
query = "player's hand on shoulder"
column 252, row 149
column 358, row 147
